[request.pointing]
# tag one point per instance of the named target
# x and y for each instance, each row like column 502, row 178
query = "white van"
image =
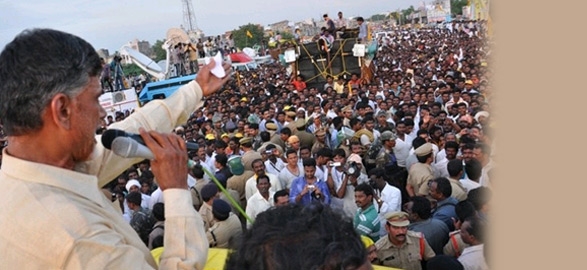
column 248, row 66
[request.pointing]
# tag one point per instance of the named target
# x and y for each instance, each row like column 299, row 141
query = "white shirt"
column 441, row 155
column 191, row 183
column 376, row 135
column 207, row 167
column 257, row 204
column 321, row 173
column 285, row 176
column 156, row 196
column 469, row 184
column 392, row 201
column 440, row 168
column 210, row 162
column 365, row 140
column 331, row 114
column 391, row 197
column 251, row 185
column 274, row 168
column 402, row 149
column 473, row 258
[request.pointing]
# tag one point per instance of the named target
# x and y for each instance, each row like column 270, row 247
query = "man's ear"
column 60, row 107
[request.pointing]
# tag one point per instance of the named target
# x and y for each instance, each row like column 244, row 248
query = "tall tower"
column 189, row 17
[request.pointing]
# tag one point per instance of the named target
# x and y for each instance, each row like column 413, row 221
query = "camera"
column 352, row 169
column 335, row 164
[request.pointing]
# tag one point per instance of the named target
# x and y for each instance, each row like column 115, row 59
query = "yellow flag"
column 249, row 34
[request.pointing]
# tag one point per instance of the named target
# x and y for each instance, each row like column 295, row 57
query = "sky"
column 110, row 24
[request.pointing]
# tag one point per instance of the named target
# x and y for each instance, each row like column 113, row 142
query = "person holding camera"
column 342, row 184
column 307, row 188
column 274, row 162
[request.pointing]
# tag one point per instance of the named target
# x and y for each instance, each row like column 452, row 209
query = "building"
column 439, row 11
column 282, row 26
column 142, row 46
column 103, row 53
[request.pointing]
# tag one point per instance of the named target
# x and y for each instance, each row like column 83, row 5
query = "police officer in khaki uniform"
column 402, row 248
column 227, row 226
column 306, row 138
column 249, row 154
column 455, row 245
column 320, row 141
column 421, row 172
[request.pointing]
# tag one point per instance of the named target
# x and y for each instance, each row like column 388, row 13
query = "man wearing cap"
column 209, row 194
column 238, row 180
column 293, row 143
column 135, row 185
column 347, row 112
column 275, row 161
column 306, row 138
column 218, row 125
column 290, row 117
column 226, row 225
column 469, row 87
column 249, row 154
column 320, row 141
column 386, row 158
column 316, row 123
column 383, row 123
column 281, row 138
column 421, row 172
column 402, row 248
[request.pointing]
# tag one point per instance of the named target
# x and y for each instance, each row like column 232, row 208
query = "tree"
column 241, row 39
column 158, row 52
column 408, row 11
column 396, row 15
column 287, row 36
column 132, row 69
column 456, row 6
column 378, row 17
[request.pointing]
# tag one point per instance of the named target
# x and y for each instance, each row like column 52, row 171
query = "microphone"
column 110, row 134
column 129, row 148
column 130, row 145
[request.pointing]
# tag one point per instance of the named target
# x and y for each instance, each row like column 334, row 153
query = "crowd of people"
column 405, row 158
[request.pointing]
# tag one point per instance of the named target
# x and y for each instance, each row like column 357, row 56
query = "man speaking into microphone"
column 53, row 214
